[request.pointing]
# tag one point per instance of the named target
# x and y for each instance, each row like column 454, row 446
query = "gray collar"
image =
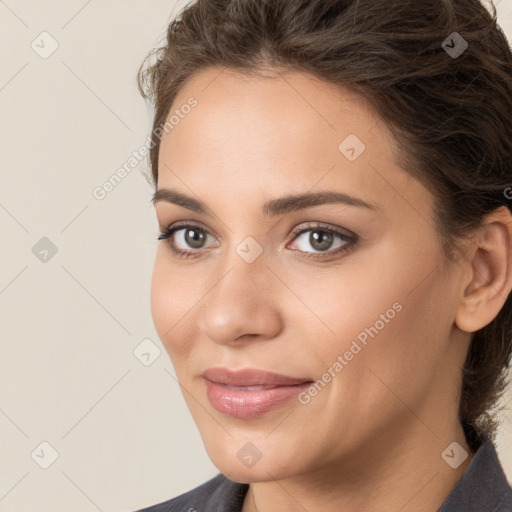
column 483, row 487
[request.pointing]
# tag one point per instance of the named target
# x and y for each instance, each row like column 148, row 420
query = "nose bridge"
column 244, row 267
column 241, row 301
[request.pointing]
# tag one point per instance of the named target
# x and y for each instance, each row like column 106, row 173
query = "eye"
column 321, row 238
column 185, row 235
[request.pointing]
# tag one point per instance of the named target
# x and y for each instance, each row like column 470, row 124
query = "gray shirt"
column 482, row 488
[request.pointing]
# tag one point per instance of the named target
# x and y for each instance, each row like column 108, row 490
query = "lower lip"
column 239, row 403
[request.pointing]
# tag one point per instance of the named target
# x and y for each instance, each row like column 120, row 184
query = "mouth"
column 250, row 393
column 249, row 388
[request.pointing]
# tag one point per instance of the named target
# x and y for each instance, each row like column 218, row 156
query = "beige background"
column 68, row 373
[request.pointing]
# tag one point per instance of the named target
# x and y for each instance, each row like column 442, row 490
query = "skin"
column 372, row 438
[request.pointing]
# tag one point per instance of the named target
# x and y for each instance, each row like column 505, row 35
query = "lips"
column 249, row 393
column 250, row 377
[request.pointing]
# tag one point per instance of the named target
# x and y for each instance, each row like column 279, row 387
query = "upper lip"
column 250, row 377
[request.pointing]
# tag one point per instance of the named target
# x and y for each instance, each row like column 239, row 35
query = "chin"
column 247, row 465
column 258, row 473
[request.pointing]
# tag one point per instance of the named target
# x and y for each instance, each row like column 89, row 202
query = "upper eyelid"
column 185, row 224
column 296, row 231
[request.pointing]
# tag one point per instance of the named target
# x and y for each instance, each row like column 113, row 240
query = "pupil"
column 320, row 240
column 194, row 241
column 322, row 245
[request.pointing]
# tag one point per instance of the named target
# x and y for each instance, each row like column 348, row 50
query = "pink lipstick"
column 250, row 393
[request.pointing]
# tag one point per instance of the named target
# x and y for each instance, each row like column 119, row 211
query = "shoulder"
column 217, row 494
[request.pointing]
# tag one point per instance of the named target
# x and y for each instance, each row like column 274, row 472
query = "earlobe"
column 490, row 272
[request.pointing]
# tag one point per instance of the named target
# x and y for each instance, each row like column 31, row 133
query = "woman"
column 333, row 184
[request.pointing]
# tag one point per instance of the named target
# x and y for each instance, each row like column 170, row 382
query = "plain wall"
column 70, row 323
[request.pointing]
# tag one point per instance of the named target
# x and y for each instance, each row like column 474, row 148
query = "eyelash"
column 167, row 233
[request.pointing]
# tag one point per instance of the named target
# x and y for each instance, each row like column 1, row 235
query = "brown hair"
column 450, row 114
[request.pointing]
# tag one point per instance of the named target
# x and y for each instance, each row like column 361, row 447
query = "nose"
column 243, row 305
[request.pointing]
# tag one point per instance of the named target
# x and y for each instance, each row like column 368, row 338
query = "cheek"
column 390, row 303
column 173, row 297
column 353, row 295
column 391, row 323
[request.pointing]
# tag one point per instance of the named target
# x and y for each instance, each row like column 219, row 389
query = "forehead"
column 278, row 98
column 258, row 114
column 285, row 132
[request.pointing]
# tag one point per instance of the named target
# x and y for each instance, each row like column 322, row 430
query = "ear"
column 490, row 272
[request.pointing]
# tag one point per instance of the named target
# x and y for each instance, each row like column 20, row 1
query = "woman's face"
column 343, row 293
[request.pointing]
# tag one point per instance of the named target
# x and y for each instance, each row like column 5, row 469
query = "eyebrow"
column 273, row 207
